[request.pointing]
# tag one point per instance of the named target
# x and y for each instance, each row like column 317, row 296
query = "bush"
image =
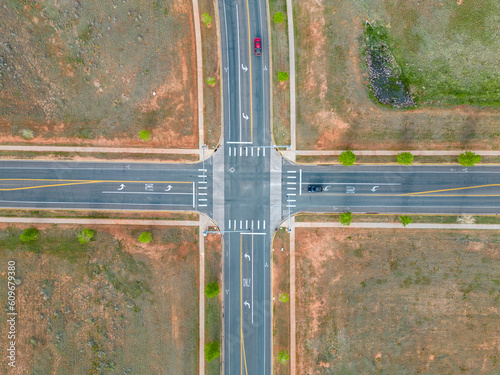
column 278, row 17
column 404, row 158
column 282, row 76
column 206, row 19
column 405, row 220
column 211, row 81
column 469, row 159
column 145, row 237
column 145, row 135
column 27, row 133
column 86, row 235
column 347, row 158
column 283, row 356
column 346, row 218
column 29, row 235
column 212, row 350
column 284, row 297
column 212, row 290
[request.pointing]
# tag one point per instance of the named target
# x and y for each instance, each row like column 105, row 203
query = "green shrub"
column 282, row 76
column 284, row 297
column 212, row 290
column 206, row 19
column 278, row 17
column 211, row 81
column 145, row 135
column 347, row 158
column 283, row 356
column 212, row 350
column 469, row 159
column 86, row 235
column 345, row 218
column 29, row 235
column 145, row 237
column 405, row 158
column 405, row 220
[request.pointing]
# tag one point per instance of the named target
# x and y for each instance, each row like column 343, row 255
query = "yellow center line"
column 45, row 186
column 453, row 189
column 242, row 341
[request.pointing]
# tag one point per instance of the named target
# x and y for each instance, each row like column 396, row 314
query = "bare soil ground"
column 397, row 301
column 97, row 73
column 334, row 110
column 281, row 310
column 281, row 90
column 211, row 68
column 111, row 306
column 213, row 307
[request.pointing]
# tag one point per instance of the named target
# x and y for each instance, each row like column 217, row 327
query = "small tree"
column 283, row 356
column 469, row 159
column 211, row 81
column 212, row 350
column 345, row 218
column 86, row 235
column 282, row 76
column 212, row 290
column 405, row 220
column 206, row 19
column 29, row 235
column 284, row 297
column 347, row 158
column 145, row 135
column 145, row 237
column 405, row 158
column 278, row 17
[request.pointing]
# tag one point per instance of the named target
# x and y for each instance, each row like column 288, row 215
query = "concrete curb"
column 38, row 220
column 111, row 150
column 394, row 153
column 291, row 49
column 199, row 76
column 397, row 225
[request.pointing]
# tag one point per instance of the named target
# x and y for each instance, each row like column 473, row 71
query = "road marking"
column 291, row 200
column 253, row 233
column 241, row 224
column 234, row 222
column 202, row 176
column 455, row 189
column 143, row 192
column 202, row 205
column 194, row 198
column 229, row 224
column 264, row 225
column 291, row 194
column 229, row 151
column 239, row 62
column 202, row 199
column 300, row 182
column 258, row 224
column 251, row 151
column 291, row 176
column 238, row 143
column 246, row 224
column 246, row 151
column 264, row 151
column 291, row 205
column 291, row 171
column 291, row 183
column 202, row 187
column 292, row 189
column 252, row 224
column 241, row 151
column 202, row 193
column 202, row 182
column 234, row 150
column 202, row 170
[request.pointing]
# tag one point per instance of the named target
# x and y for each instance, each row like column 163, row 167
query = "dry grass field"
column 98, row 72
column 113, row 305
column 398, row 301
column 448, row 51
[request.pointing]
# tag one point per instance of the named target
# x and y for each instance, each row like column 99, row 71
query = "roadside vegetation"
column 280, row 67
column 397, row 301
column 105, row 305
column 213, row 304
column 447, row 54
column 281, row 304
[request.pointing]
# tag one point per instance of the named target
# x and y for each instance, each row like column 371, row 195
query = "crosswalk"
column 202, row 191
column 246, row 224
column 247, row 151
column 292, row 186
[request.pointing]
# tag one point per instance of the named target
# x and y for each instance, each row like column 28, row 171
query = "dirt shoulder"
column 104, row 306
column 397, row 301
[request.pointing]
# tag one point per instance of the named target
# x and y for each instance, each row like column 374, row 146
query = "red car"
column 258, row 46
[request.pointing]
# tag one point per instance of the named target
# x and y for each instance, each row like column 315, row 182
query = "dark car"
column 258, row 46
column 315, row 188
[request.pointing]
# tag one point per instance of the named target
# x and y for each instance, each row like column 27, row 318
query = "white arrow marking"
column 265, row 68
column 327, row 187
column 227, row 291
column 452, row 169
column 244, row 67
column 247, row 256
column 266, row 265
column 121, row 187
column 464, row 170
column 226, row 69
column 169, row 187
column 128, row 166
column 244, row 116
column 374, row 189
column 247, row 304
